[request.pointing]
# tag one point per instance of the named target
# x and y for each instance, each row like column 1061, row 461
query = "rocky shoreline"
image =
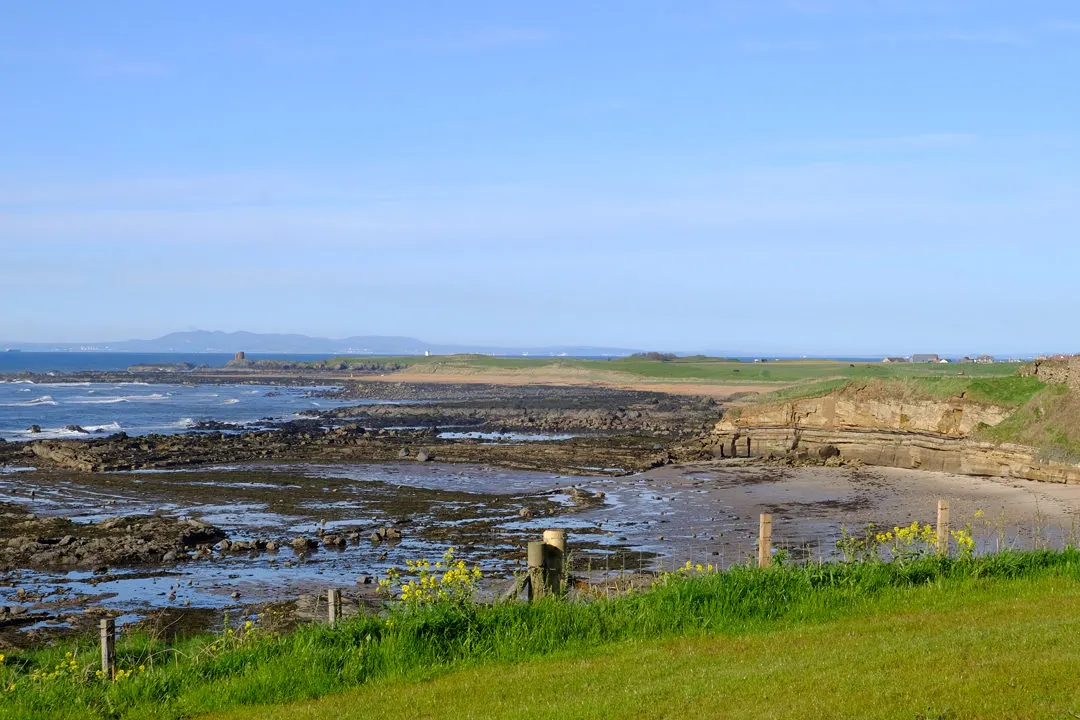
column 611, row 430
column 618, row 454
column 29, row 541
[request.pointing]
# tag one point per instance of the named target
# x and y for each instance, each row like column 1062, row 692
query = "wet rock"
column 525, row 513
column 34, row 429
column 214, row 425
column 224, row 546
column 129, row 540
column 424, row 456
column 271, row 546
column 333, row 541
column 386, row 534
column 304, row 545
column 76, row 428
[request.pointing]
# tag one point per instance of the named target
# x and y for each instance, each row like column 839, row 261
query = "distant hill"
column 204, row 341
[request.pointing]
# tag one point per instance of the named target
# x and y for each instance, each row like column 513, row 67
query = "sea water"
column 139, row 409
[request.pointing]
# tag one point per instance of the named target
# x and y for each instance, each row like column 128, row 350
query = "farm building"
column 925, row 359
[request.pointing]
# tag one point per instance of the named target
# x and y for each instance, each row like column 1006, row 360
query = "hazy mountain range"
column 203, row 341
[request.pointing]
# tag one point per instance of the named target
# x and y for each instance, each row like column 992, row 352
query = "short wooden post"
column 536, row 570
column 747, row 446
column 556, row 538
column 943, row 527
column 333, row 606
column 764, row 548
column 734, row 450
column 108, row 648
column 554, row 558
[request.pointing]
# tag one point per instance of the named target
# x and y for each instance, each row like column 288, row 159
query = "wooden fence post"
column 108, row 647
column 764, row 549
column 943, row 527
column 536, row 570
column 554, row 558
column 333, row 606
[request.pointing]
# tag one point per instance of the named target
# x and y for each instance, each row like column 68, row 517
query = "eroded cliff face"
column 927, row 435
column 952, row 418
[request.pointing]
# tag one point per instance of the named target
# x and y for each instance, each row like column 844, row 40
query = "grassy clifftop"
column 698, row 369
column 1049, row 421
column 1044, row 417
column 1009, row 391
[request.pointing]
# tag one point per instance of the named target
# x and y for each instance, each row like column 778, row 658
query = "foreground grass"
column 1000, row 649
column 220, row 673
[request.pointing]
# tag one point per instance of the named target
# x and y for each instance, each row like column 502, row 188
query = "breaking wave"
column 112, row 400
column 43, row 400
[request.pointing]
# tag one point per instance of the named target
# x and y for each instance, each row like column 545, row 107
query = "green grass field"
column 991, row 633
column 697, row 369
column 1005, row 649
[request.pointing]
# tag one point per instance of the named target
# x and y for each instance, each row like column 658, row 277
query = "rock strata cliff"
column 927, row 435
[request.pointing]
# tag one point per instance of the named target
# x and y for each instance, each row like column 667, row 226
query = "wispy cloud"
column 797, row 198
column 110, row 65
column 923, row 141
column 1064, row 26
column 954, row 29
column 475, row 40
column 283, row 49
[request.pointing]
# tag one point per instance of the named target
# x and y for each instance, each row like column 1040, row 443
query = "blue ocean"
column 138, row 409
column 44, row 362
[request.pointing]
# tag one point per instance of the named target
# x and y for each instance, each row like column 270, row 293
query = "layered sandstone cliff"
column 917, row 434
column 953, row 418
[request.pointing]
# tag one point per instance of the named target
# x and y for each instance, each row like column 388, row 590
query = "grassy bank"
column 1049, row 420
column 1007, row 392
column 1000, row 649
column 250, row 666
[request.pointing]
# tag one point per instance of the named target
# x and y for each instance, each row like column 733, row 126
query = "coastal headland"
column 418, row 453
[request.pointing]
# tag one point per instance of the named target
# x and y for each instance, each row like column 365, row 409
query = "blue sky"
column 775, row 176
